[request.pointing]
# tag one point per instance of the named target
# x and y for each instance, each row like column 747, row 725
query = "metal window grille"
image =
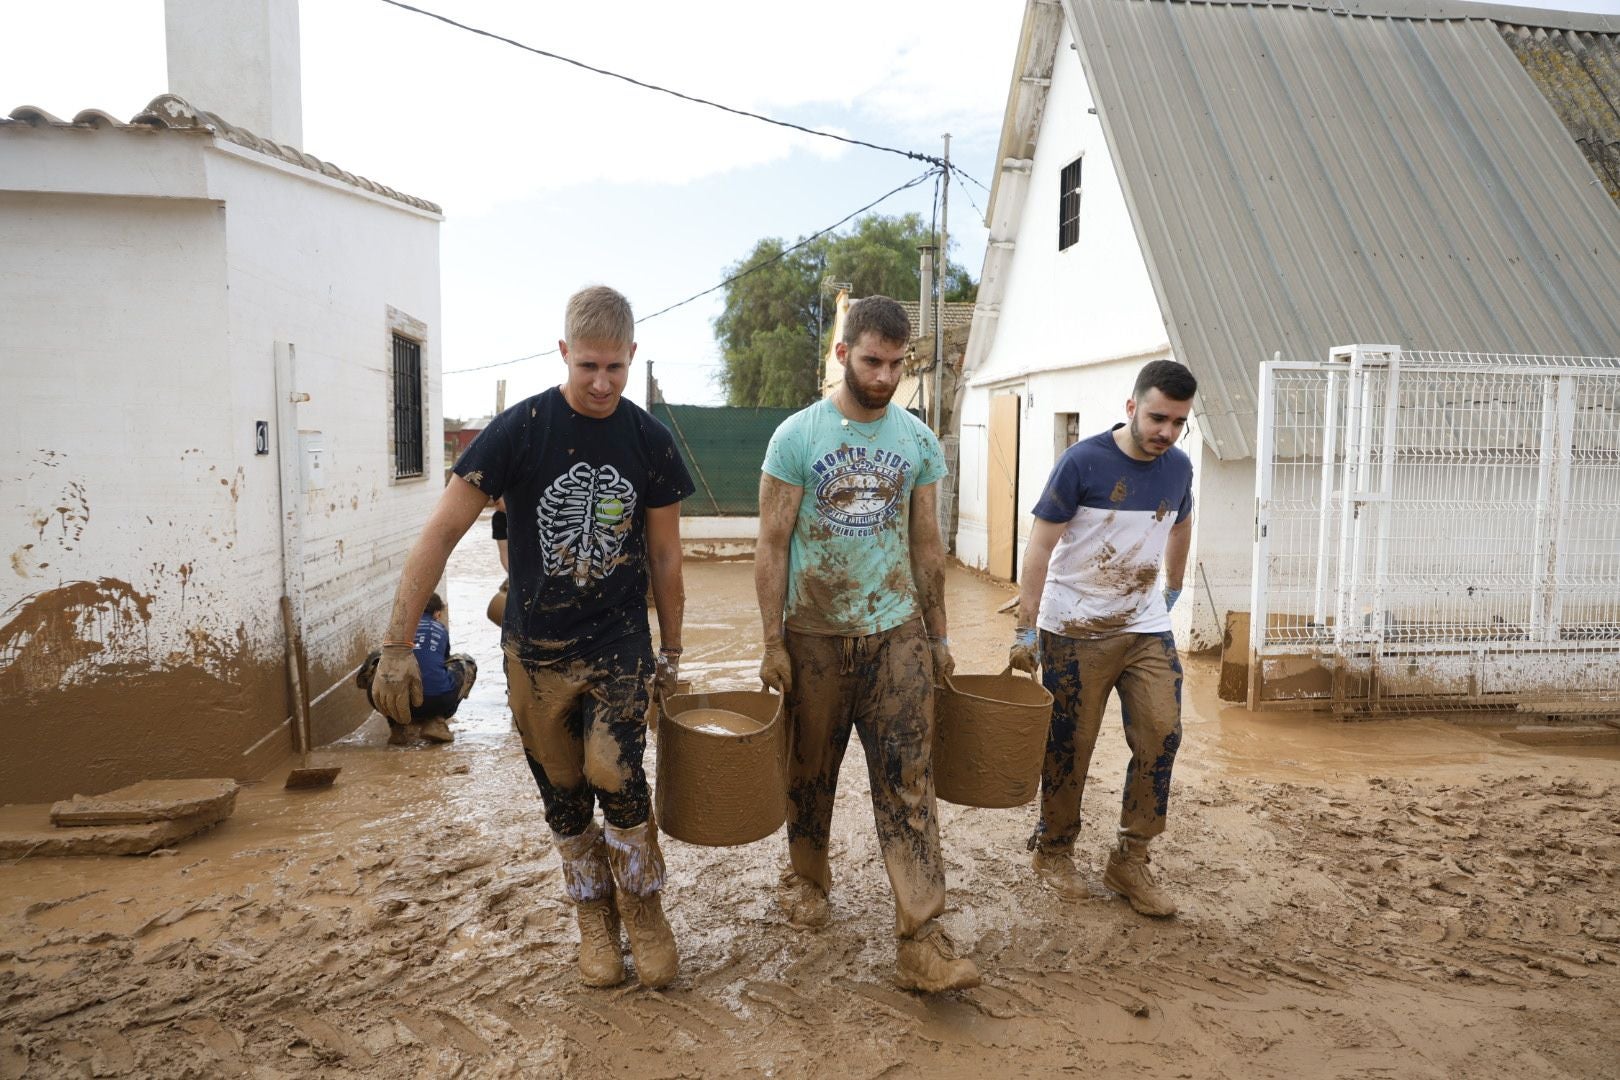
column 1437, row 528
column 407, row 407
column 1069, row 205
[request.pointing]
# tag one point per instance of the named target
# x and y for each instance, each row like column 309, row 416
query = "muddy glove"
column 776, row 670
column 667, row 672
column 1170, row 597
column 398, row 682
column 940, row 649
column 1026, row 650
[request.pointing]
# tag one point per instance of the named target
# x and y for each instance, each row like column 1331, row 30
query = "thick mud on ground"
column 1409, row 898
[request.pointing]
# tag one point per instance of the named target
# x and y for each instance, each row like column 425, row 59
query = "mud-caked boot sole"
column 436, row 731
column 1130, row 878
column 803, row 903
column 601, row 955
column 400, row 734
column 928, row 963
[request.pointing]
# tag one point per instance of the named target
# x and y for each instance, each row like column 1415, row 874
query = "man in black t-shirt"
column 593, row 487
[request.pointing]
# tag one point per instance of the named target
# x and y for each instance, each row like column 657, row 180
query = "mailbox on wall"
column 312, row 460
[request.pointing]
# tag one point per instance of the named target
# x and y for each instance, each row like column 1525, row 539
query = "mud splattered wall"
column 140, row 632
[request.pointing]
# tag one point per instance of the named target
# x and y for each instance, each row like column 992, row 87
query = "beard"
column 1147, row 446
column 866, row 399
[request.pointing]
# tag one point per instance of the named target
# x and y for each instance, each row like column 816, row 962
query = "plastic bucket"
column 990, row 739
column 717, row 788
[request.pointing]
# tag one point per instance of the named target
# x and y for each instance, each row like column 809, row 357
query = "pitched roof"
column 956, row 313
column 168, row 112
column 1309, row 174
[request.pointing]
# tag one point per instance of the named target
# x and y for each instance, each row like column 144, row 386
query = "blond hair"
column 599, row 314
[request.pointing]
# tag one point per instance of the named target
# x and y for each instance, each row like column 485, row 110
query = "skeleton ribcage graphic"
column 584, row 517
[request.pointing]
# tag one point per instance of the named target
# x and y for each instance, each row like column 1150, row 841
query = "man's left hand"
column 666, row 673
column 940, row 649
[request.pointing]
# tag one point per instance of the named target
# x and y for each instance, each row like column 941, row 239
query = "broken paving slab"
column 131, row 839
column 147, row 802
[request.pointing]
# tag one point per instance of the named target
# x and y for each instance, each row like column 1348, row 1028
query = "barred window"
column 407, row 408
column 1069, row 205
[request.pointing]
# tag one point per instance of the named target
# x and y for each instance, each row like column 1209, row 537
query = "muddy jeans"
column 583, row 724
column 1080, row 674
column 882, row 685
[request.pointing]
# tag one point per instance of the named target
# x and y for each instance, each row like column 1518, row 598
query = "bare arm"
column 1037, row 557
column 928, row 558
column 500, row 545
column 452, row 516
column 664, row 567
column 1175, row 553
column 778, row 510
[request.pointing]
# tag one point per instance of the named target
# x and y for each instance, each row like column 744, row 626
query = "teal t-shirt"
column 849, row 562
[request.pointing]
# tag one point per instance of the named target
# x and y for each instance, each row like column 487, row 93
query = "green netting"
column 723, row 449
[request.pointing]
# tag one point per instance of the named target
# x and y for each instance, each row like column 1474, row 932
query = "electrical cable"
column 966, row 193
column 955, row 168
column 778, row 257
column 913, row 154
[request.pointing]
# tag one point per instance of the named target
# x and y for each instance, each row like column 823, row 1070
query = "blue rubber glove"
column 1170, row 598
column 1026, row 650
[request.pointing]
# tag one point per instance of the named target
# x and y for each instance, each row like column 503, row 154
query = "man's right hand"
column 776, row 670
column 1026, row 650
column 398, row 683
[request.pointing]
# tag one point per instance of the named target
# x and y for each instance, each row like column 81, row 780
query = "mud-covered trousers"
column 584, row 730
column 1081, row 674
column 881, row 685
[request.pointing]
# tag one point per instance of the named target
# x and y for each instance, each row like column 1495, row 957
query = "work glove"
column 398, row 683
column 1170, row 597
column 776, row 670
column 940, row 649
column 666, row 672
column 1026, row 651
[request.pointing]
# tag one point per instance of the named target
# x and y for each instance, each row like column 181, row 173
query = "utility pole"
column 939, row 283
column 500, row 396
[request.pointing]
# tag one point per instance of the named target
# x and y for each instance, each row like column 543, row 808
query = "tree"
column 777, row 314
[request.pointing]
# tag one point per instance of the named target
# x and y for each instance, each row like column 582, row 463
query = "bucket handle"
column 1008, row 670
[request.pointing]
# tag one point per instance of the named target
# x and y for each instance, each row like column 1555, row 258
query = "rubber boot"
column 588, row 881
column 1128, row 875
column 803, row 902
column 928, row 962
column 638, row 880
column 1057, row 871
column 400, row 734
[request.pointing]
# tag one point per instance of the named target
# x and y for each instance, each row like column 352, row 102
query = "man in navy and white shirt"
column 1092, row 615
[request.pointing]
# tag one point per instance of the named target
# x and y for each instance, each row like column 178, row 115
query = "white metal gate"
column 1436, row 529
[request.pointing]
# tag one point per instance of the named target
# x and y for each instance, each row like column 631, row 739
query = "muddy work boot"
column 803, row 902
column 638, row 879
column 928, row 962
column 1128, row 875
column 1057, row 871
column 400, row 734
column 435, row 731
column 589, row 884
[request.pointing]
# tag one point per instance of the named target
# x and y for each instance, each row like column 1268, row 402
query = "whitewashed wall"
column 139, row 612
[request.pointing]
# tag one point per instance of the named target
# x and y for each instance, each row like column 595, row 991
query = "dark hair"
column 1169, row 378
column 880, row 315
column 434, row 605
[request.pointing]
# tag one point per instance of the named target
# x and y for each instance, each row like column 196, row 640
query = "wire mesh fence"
column 1438, row 527
column 723, row 448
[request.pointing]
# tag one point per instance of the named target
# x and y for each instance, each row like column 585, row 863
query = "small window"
column 407, row 407
column 1069, row 205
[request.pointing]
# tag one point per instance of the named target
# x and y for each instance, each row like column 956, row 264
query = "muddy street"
column 1406, row 898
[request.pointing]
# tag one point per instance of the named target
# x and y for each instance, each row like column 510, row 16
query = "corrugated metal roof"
column 1579, row 75
column 1301, row 178
column 168, row 112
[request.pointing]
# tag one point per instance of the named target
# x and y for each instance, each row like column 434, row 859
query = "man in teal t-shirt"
column 850, row 571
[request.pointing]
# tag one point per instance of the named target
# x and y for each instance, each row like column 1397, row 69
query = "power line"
column 778, row 257
column 955, row 168
column 913, row 154
column 966, row 193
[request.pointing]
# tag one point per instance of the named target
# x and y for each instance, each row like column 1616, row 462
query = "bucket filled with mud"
column 722, row 767
column 990, row 738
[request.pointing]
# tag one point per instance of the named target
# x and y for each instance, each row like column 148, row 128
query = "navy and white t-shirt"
column 1103, row 576
column 577, row 492
column 432, row 650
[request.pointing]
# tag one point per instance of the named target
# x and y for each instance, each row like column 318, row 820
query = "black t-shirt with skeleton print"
column 577, row 493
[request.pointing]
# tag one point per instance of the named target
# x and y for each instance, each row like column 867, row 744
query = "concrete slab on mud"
column 147, row 802
column 136, row 839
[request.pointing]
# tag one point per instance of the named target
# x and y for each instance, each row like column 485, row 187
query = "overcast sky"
column 552, row 178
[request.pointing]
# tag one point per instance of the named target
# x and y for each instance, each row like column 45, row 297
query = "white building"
column 220, row 364
column 1223, row 183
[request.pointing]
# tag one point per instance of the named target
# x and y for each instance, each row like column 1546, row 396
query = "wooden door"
column 1001, row 486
